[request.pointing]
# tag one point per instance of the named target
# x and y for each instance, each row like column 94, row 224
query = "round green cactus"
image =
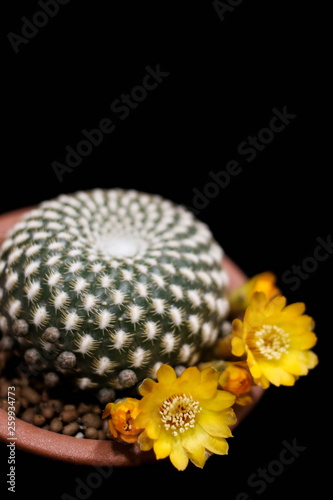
column 106, row 285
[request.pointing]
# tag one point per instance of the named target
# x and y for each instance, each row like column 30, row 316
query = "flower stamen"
column 178, row 413
column 272, row 341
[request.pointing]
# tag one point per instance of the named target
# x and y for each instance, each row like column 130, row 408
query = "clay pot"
column 92, row 452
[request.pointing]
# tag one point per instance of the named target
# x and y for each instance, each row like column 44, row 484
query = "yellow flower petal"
column 253, row 318
column 153, row 429
column 146, row 404
column 303, row 341
column 259, row 377
column 219, row 402
column 217, row 445
column 206, row 386
column 209, row 374
column 229, row 416
column 311, row 359
column 275, row 305
column 298, row 325
column 244, row 400
column 277, row 375
column 142, row 419
column 166, row 374
column 191, row 374
column 205, row 390
column 194, row 448
column 299, row 362
column 295, row 309
column 146, row 386
column 237, row 346
column 163, row 445
column 258, row 300
column 178, row 456
column 256, row 370
column 214, row 424
column 263, row 382
column 237, row 328
column 145, row 442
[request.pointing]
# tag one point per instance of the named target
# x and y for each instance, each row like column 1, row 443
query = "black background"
column 224, row 80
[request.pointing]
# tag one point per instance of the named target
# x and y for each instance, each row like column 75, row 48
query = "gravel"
column 56, row 409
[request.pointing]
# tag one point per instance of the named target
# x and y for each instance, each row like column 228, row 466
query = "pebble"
column 38, row 420
column 5, row 405
column 39, row 386
column 91, row 433
column 45, row 396
column 84, row 408
column 97, row 409
column 69, row 407
column 69, row 414
column 91, row 420
column 17, row 391
column 24, row 382
column 3, row 388
column 31, row 395
column 17, row 382
column 24, row 402
column 105, row 426
column 48, row 412
column 34, row 405
column 56, row 404
column 56, row 425
column 71, row 429
column 101, row 434
column 28, row 415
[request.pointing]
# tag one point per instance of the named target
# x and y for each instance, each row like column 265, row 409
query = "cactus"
column 104, row 286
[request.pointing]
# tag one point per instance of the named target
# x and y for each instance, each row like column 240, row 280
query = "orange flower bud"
column 263, row 282
column 237, row 379
column 121, row 419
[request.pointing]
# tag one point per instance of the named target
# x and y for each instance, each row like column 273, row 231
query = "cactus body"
column 106, row 285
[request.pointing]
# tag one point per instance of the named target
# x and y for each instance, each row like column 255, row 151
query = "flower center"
column 178, row 413
column 272, row 341
column 128, row 422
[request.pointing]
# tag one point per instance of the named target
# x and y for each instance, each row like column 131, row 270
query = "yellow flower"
column 240, row 298
column 237, row 379
column 276, row 339
column 121, row 421
column 185, row 418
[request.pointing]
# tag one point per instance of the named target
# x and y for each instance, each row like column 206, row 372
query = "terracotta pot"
column 92, row 452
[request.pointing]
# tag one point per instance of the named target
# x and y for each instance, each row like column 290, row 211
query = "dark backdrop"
column 224, row 70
